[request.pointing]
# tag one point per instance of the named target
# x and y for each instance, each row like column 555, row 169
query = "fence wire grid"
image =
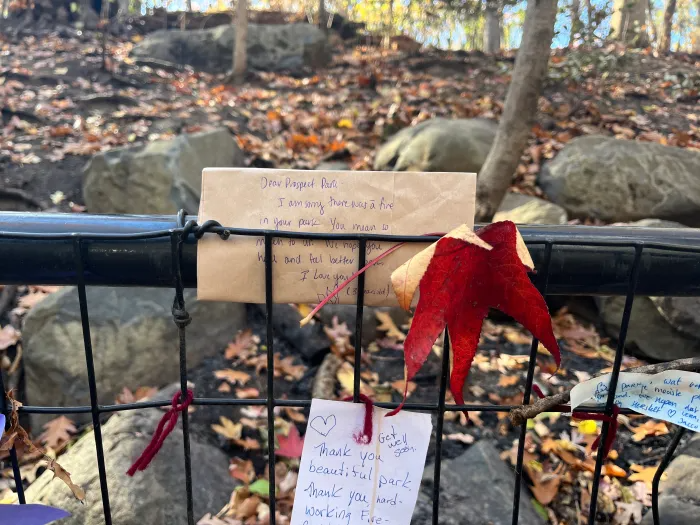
column 189, row 231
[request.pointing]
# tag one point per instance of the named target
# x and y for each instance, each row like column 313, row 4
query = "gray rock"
column 623, row 180
column 155, row 496
column 134, row 340
column 158, row 178
column 438, row 145
column 333, row 165
column 476, row 488
column 661, row 328
column 524, row 209
column 679, row 502
column 270, row 47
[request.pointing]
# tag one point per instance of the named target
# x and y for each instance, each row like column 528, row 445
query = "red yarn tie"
column 162, row 432
column 364, row 437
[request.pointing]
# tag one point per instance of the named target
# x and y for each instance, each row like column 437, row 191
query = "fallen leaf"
column 232, row 376
column 224, row 388
column 288, row 482
column 346, row 377
column 247, row 443
column 645, row 474
column 228, row 428
column 247, row 393
column 245, row 341
column 507, row 380
column 465, row 275
column 60, row 473
column 467, row 439
column 400, row 386
column 242, row 469
column 295, row 415
column 627, row 513
column 588, row 426
column 649, row 428
column 31, row 299
column 345, row 123
column 126, row 396
column 9, row 336
column 261, row 487
column 291, row 445
column 290, row 371
column 57, row 431
column 386, row 324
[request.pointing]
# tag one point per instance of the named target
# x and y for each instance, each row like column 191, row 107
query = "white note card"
column 342, row 482
column 672, row 396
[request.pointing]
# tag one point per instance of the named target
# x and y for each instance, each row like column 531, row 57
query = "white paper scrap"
column 672, row 396
column 344, row 483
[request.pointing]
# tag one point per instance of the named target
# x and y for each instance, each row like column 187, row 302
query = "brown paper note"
column 304, row 271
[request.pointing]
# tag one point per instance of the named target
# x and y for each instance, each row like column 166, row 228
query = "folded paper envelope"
column 305, row 271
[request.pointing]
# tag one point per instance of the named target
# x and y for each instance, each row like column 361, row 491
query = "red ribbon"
column 612, row 431
column 162, row 432
column 364, row 437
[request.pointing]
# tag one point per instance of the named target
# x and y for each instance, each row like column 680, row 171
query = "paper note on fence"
column 343, row 483
column 672, row 396
column 305, row 271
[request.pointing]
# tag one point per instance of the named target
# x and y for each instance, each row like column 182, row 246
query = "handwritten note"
column 672, row 396
column 343, row 483
column 399, row 203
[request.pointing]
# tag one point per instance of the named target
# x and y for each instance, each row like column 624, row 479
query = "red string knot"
column 365, row 436
column 164, row 428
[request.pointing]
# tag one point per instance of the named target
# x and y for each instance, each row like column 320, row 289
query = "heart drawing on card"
column 323, row 425
column 671, row 413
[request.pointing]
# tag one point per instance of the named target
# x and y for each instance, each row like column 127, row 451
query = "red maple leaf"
column 460, row 278
column 291, row 445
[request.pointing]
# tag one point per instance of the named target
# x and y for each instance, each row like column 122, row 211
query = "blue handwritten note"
column 342, row 482
column 672, row 396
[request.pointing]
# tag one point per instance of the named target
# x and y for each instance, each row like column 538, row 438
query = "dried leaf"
column 291, row 445
column 9, row 336
column 400, row 386
column 232, row 376
column 57, row 431
column 247, row 393
column 645, row 474
column 467, row 439
column 245, row 341
column 228, row 428
column 242, row 469
column 386, row 324
column 60, row 473
column 507, row 380
column 649, row 428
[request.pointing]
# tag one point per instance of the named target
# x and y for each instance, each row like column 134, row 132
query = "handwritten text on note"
column 355, row 203
column 672, row 396
column 343, row 483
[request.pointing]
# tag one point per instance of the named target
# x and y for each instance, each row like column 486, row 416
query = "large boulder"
column 476, row 488
column 661, row 328
column 155, row 496
column 679, row 503
column 158, row 178
column 134, row 342
column 623, row 180
column 438, row 145
column 270, row 47
column 524, row 209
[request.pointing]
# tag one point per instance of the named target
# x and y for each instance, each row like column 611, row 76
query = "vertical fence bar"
column 270, row 376
column 95, row 409
column 668, row 456
column 543, row 281
column 362, row 247
column 627, row 312
column 444, row 371
column 182, row 319
column 5, row 409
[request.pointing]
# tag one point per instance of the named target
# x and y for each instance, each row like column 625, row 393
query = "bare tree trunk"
column 104, row 23
column 589, row 20
column 322, row 16
column 520, row 107
column 575, row 21
column 189, row 6
column 665, row 45
column 629, row 21
column 492, row 30
column 240, row 51
column 652, row 24
column 696, row 35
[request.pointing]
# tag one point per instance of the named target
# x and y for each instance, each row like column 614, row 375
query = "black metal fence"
column 161, row 251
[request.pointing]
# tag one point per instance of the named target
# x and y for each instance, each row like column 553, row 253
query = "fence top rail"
column 133, row 250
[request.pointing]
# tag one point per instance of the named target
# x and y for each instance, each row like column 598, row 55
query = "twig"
column 324, row 382
column 519, row 415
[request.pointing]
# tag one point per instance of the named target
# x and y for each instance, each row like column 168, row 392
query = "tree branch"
column 519, row 415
